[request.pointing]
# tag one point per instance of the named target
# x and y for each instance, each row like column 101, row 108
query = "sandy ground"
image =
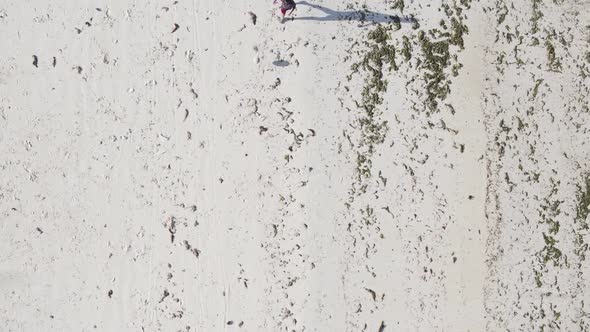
column 179, row 166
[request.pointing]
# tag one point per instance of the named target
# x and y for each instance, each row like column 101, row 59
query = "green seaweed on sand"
column 406, row 49
column 398, row 4
column 502, row 13
column 549, row 213
column 536, row 88
column 439, row 52
column 554, row 63
column 436, row 61
column 537, row 15
column 582, row 213
column 550, row 253
column 436, row 57
column 458, row 30
column 379, row 58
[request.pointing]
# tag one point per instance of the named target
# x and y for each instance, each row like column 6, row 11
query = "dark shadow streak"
column 357, row 15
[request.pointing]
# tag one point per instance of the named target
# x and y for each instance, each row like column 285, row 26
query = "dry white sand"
column 172, row 166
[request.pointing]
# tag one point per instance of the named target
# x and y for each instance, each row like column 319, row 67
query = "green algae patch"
column 378, row 59
column 398, row 4
column 536, row 16
column 554, row 63
column 582, row 212
column 439, row 54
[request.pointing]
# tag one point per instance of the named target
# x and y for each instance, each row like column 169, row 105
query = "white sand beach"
column 199, row 165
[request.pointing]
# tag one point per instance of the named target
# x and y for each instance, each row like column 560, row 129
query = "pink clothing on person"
column 287, row 5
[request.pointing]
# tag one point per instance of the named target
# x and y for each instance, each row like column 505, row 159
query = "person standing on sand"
column 287, row 5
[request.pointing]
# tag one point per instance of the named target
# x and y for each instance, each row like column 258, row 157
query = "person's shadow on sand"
column 353, row 15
